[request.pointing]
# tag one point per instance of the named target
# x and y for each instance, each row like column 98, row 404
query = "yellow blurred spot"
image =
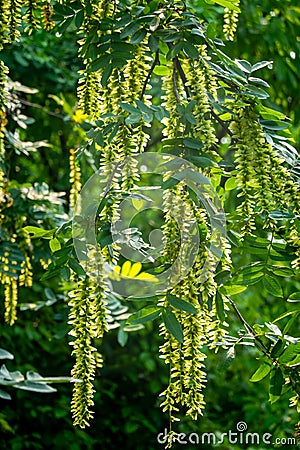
column 129, row 270
column 79, row 116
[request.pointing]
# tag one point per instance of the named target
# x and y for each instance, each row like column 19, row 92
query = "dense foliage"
column 180, row 252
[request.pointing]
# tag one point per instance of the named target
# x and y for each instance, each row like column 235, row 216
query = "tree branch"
column 258, row 341
column 155, row 61
column 36, row 105
column 184, row 81
column 175, row 87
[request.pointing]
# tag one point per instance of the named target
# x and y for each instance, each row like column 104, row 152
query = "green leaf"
column 190, row 49
column 133, row 118
column 287, row 314
column 290, row 323
column 210, row 30
column 145, row 299
column 252, row 268
column 276, row 383
column 161, row 70
column 129, row 108
column 106, row 74
column 181, row 304
column 281, row 271
column 201, row 161
column 130, row 328
column 34, row 386
column 36, row 232
column 4, row 354
column 169, row 183
column 272, row 285
column 172, row 324
column 289, row 353
column 225, row 360
column 79, row 18
column 99, row 63
column 268, row 113
column 263, row 370
column 37, row 378
column 144, row 108
column 76, row 267
column 260, row 65
column 228, row 4
column 233, row 290
column 138, row 36
column 257, row 92
column 11, row 376
column 244, row 65
column 129, row 29
column 54, row 245
column 153, row 43
column 295, row 296
column 4, row 395
column 230, row 184
column 280, row 215
column 278, row 348
column 122, row 337
column 220, row 307
column 192, row 143
column 146, row 314
column 258, row 81
column 248, row 279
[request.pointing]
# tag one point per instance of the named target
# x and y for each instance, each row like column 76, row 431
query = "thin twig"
column 155, row 61
column 261, row 345
column 110, row 180
column 246, row 325
column 184, row 81
column 221, row 122
column 182, row 76
column 174, row 81
column 36, row 105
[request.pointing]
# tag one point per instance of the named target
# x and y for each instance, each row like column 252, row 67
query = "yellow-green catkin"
column 293, row 239
column 118, row 163
column 25, row 276
column 87, row 318
column 231, row 18
column 185, row 359
column 198, row 75
column 47, row 13
column 89, row 87
column 15, row 18
column 172, row 96
column 265, row 183
column 75, row 179
column 10, row 300
column 32, row 15
column 4, row 23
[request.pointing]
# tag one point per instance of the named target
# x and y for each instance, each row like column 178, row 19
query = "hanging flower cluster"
column 15, row 260
column 293, row 239
column 263, row 180
column 75, row 176
column 100, row 94
column 47, row 13
column 231, row 17
column 87, row 318
column 35, row 14
column 113, row 95
column 200, row 75
column 198, row 287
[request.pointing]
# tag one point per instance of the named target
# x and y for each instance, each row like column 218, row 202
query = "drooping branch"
column 155, row 62
column 188, row 94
